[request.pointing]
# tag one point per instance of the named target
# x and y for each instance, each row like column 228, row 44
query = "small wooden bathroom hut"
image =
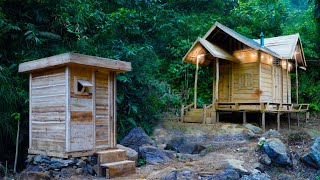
column 250, row 75
column 72, row 104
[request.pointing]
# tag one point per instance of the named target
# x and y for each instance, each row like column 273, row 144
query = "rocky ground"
column 197, row 151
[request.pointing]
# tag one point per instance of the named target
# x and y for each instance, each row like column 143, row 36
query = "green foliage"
column 141, row 162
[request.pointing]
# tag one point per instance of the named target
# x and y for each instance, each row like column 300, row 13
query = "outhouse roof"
column 75, row 58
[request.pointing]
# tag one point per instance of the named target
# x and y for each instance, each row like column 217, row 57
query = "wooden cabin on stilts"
column 249, row 75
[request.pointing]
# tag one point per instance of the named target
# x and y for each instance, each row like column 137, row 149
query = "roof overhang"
column 202, row 47
column 75, row 58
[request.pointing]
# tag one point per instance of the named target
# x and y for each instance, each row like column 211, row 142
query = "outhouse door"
column 224, row 81
column 103, row 109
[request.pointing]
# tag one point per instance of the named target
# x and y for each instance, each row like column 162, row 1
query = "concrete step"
column 120, row 168
column 111, row 155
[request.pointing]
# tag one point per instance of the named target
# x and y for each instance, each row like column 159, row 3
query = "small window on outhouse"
column 82, row 87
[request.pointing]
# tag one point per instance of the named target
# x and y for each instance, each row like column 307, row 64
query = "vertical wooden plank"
column 259, row 75
column 217, row 80
column 196, row 83
column 244, row 117
column 30, row 110
column 282, row 86
column 278, row 121
column 204, row 116
column 213, row 83
column 110, row 88
column 287, row 77
column 263, row 117
column 115, row 109
column 68, row 125
column 94, row 107
column 297, row 81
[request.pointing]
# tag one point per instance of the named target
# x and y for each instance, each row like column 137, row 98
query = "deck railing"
column 207, row 109
column 183, row 109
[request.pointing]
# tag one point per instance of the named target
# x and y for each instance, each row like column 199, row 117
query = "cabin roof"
column 75, row 58
column 286, row 46
column 282, row 47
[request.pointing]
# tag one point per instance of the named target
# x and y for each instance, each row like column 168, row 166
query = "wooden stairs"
column 113, row 163
column 194, row 116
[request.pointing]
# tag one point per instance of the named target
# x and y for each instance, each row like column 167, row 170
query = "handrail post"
column 204, row 113
column 182, row 113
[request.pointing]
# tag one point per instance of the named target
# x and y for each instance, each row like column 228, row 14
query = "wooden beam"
column 297, row 81
column 287, row 77
column 278, row 121
column 263, row 119
column 30, row 111
column 182, row 113
column 94, row 108
column 115, row 109
column 196, row 82
column 217, row 81
column 244, row 117
column 68, row 123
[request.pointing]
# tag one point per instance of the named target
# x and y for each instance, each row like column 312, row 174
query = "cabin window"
column 245, row 81
column 82, row 86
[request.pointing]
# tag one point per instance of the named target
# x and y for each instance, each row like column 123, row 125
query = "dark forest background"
column 152, row 34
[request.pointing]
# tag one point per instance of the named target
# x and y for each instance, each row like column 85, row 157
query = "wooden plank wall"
column 266, row 83
column 81, row 121
column 245, row 78
column 102, row 109
column 285, row 91
column 224, row 81
column 48, row 110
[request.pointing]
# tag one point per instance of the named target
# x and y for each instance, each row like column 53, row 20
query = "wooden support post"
column 218, row 116
column 196, row 82
column 217, row 80
column 115, row 109
column 298, row 121
column 307, row 116
column 182, row 113
column 263, row 119
column 297, row 81
column 289, row 121
column 204, row 114
column 68, row 116
column 287, row 83
column 213, row 83
column 244, row 117
column 278, row 121
column 30, row 111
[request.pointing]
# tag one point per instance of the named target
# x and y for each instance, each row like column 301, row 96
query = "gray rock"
column 29, row 158
column 259, row 167
column 57, row 165
column 93, row 160
column 276, row 151
column 81, row 163
column 235, row 165
column 65, row 173
column 186, row 174
column 79, row 171
column 272, row 134
column 41, row 159
column 264, row 159
column 228, row 174
column 95, row 169
column 253, row 128
column 131, row 153
column 181, row 145
column 168, row 173
column 35, row 168
column 154, row 156
column 312, row 158
column 87, row 169
column 136, row 138
column 38, row 175
column 256, row 176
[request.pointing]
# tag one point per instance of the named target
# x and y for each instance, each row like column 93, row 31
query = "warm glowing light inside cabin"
column 246, row 56
column 284, row 65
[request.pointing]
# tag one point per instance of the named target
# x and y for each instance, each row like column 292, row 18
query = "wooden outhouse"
column 250, row 75
column 72, row 104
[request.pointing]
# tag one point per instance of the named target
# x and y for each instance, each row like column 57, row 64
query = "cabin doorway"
column 224, row 81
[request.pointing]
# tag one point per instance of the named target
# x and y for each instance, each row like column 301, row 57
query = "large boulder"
column 154, row 156
column 171, row 173
column 253, row 128
column 235, row 165
column 131, row 154
column 312, row 158
column 276, row 151
column 181, row 145
column 136, row 138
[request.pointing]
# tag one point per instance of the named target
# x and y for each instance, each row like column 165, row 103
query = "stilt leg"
column 289, row 121
column 298, row 121
column 244, row 114
column 278, row 121
column 307, row 116
column 263, row 119
column 218, row 117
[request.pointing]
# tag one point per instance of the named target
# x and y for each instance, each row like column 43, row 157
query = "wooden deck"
column 211, row 112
